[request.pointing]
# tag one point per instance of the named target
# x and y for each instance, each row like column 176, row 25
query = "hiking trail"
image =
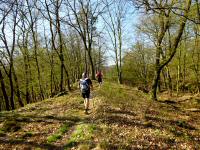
column 120, row 117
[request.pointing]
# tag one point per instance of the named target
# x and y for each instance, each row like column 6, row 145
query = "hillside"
column 120, row 117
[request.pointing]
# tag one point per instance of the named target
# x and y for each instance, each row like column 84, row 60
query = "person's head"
column 84, row 75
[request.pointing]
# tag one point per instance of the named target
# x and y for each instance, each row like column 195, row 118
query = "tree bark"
column 3, row 88
column 26, row 76
column 17, row 89
column 60, row 47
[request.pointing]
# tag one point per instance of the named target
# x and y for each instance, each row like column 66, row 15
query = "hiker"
column 99, row 76
column 85, row 85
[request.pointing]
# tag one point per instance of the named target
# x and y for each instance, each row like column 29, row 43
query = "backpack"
column 84, row 85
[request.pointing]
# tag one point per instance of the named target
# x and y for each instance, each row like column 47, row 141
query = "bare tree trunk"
column 26, row 76
column 53, row 48
column 92, row 64
column 155, row 84
column 119, row 30
column 51, row 62
column 169, row 81
column 32, row 23
column 11, row 89
column 178, row 73
column 12, row 51
column 17, row 89
column 184, row 61
column 164, row 74
column 38, row 67
column 24, row 51
column 86, row 63
column 3, row 88
column 157, row 70
column 60, row 47
column 99, row 56
column 27, row 68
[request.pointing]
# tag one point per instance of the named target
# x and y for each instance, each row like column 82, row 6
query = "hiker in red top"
column 99, row 76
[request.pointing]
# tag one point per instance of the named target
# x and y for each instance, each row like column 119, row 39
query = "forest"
column 46, row 45
column 147, row 50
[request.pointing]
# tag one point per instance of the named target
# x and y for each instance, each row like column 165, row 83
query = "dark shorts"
column 86, row 95
column 99, row 80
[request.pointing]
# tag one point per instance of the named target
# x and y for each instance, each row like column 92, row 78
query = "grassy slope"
column 120, row 118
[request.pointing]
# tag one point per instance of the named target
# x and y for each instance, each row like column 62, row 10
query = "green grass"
column 58, row 135
column 83, row 133
column 64, row 128
column 54, row 138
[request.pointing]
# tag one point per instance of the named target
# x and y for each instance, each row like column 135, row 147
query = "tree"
column 3, row 88
column 116, row 12
column 32, row 20
column 55, row 13
column 82, row 16
column 164, row 10
column 137, row 65
column 10, row 51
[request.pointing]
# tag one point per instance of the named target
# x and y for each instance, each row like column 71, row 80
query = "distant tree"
column 61, row 56
column 114, row 22
column 137, row 65
column 82, row 17
column 32, row 19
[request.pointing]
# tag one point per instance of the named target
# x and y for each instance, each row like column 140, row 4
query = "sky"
column 129, row 36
